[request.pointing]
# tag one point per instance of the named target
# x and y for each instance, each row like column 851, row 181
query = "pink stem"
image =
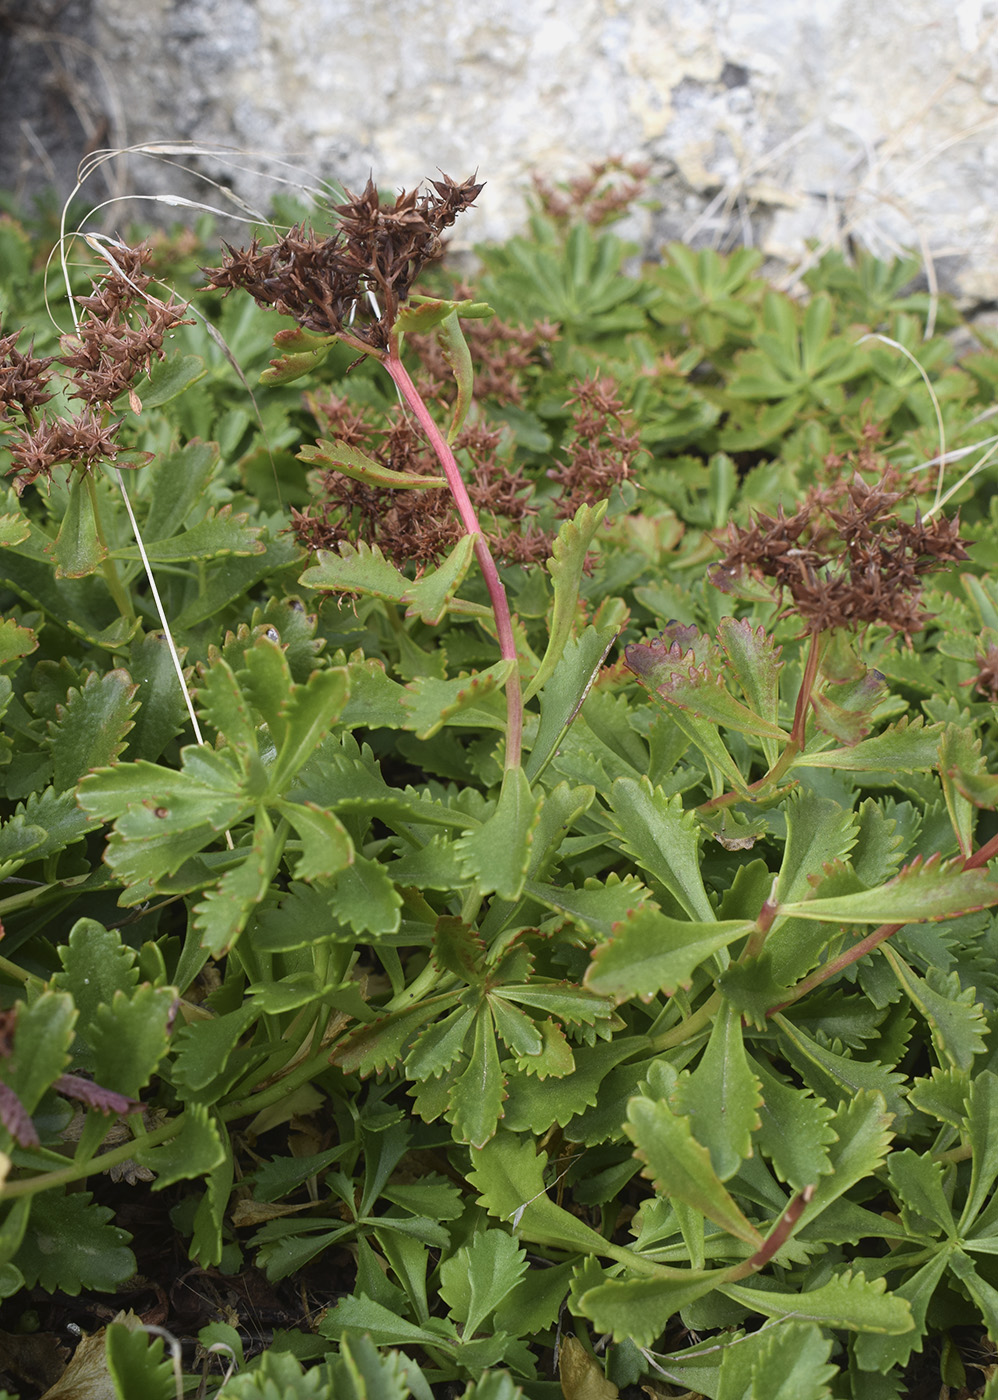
column 497, row 593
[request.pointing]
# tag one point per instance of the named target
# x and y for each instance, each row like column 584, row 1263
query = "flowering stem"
column 497, row 593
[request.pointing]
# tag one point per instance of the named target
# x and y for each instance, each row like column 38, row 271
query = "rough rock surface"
column 770, row 120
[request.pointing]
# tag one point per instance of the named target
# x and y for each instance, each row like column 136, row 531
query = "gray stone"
column 775, row 121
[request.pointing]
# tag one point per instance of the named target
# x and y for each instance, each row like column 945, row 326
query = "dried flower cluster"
column 120, row 334
column 416, row 525
column 421, row 525
column 845, row 558
column 323, row 282
column 606, row 191
column 604, row 444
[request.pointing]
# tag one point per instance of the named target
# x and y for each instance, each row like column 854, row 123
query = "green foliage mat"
column 554, row 948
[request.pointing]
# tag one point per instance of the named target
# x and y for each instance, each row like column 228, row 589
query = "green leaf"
column 917, row 1182
column 91, row 727
column 568, row 558
column 429, row 598
column 905, row 747
column 422, row 314
column 440, row 1044
column 357, row 465
column 663, row 839
column 95, row 965
column 360, row 1372
column 41, row 1044
column 984, row 1294
column 202, row 1048
column 454, row 348
column 221, row 915
column 15, row 641
column 598, row 906
column 649, row 952
column 136, row 1364
column 381, row 1044
column 681, row 1167
column 129, row 1038
column 562, row 696
column 169, row 378
column 497, row 855
column 361, row 569
column 982, row 1129
column 365, row 899
column 196, row 1150
column 475, row 1280
column 957, row 1023
column 837, row 1077
column 638, row 1310
column 789, row 1362
column 722, row 1096
column 795, row 1130
column 863, row 1135
column 325, row 841
column 819, row 831
column 306, row 715
column 475, row 1100
column 848, row 1300
column 880, row 1353
column 381, row 1325
column 70, row 1246
column 78, row 550
column 508, row 1172
column 932, row 889
column 430, row 703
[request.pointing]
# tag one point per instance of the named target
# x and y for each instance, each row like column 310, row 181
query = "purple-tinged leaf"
column 104, row 1100
column 16, row 1119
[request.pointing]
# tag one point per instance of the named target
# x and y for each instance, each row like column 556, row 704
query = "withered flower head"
column 986, row 680
column 122, row 329
column 323, row 282
column 83, row 441
column 844, row 558
column 23, row 378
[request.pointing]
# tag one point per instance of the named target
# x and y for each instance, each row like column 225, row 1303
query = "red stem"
column 497, row 593
column 879, row 935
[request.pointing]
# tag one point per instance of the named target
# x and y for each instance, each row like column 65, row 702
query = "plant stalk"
column 497, row 593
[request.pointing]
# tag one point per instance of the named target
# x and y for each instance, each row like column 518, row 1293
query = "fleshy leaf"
column 931, row 889
column 357, row 465
column 475, row 1280
column 568, row 557
column 848, row 1300
column 649, row 952
column 663, row 839
column 430, row 596
column 722, row 1096
column 497, row 855
column 681, row 1167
